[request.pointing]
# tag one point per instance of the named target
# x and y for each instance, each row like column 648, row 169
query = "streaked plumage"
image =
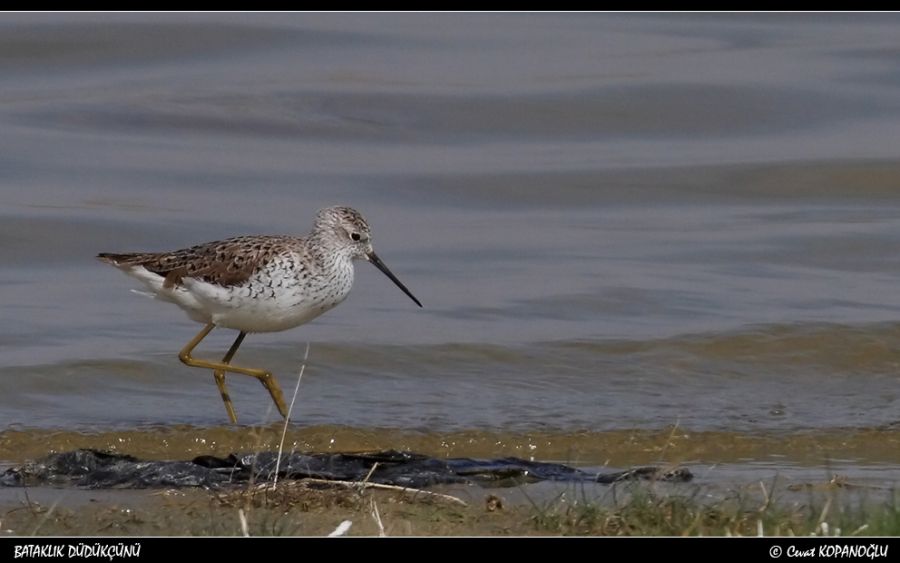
column 259, row 283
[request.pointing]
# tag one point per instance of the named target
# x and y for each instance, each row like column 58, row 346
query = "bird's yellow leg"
column 220, row 377
column 267, row 379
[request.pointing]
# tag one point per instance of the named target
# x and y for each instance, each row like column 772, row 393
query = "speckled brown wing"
column 225, row 263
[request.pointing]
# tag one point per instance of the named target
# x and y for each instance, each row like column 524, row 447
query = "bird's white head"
column 346, row 229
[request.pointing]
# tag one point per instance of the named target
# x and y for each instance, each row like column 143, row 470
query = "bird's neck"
column 327, row 257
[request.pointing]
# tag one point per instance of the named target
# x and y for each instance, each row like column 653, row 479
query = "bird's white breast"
column 280, row 296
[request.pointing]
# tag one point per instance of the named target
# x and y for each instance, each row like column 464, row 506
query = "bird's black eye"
column 355, row 236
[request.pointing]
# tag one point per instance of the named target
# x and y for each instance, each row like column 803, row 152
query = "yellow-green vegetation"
column 299, row 509
column 646, row 513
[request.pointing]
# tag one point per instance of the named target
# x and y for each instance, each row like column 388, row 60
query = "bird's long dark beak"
column 374, row 259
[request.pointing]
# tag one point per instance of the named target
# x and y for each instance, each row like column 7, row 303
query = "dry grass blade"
column 287, row 419
column 245, row 529
column 361, row 485
column 369, row 475
column 385, row 487
column 45, row 516
column 377, row 517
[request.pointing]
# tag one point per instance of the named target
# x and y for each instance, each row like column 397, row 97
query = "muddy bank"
column 619, row 448
column 793, row 475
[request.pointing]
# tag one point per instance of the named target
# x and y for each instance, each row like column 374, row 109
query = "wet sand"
column 617, row 448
